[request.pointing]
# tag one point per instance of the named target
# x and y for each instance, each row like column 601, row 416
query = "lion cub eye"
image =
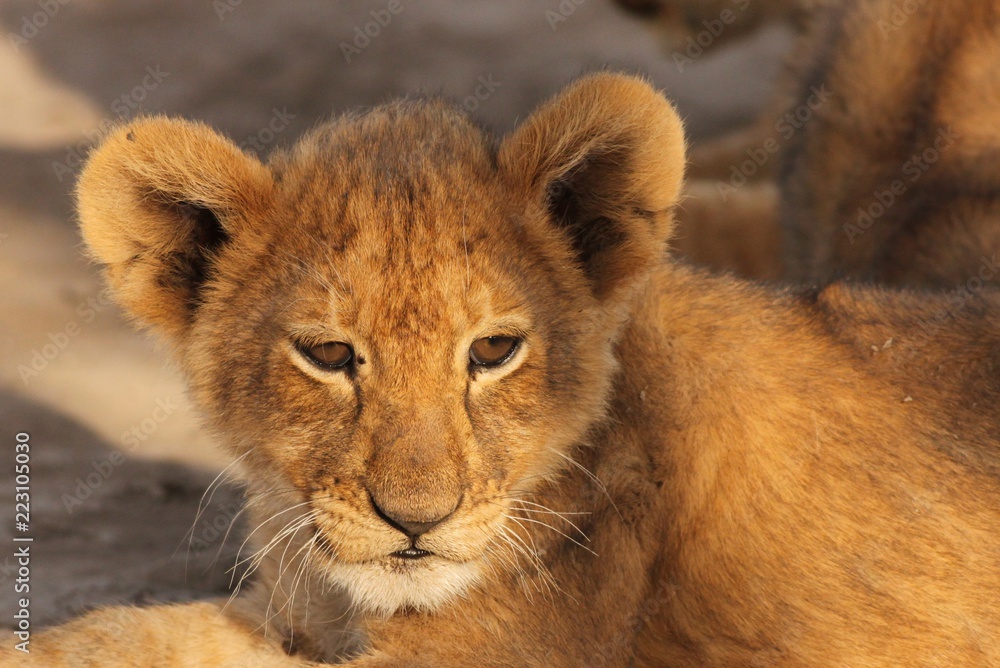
column 493, row 350
column 331, row 355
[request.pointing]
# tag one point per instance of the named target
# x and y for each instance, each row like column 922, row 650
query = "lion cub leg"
column 206, row 634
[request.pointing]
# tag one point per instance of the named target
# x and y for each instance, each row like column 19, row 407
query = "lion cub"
column 895, row 179
column 486, row 421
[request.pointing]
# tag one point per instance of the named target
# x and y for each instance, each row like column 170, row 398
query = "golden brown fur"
column 731, row 475
column 897, row 181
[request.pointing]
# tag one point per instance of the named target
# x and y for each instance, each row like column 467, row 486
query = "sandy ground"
column 118, row 461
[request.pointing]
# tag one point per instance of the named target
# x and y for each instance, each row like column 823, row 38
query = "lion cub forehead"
column 404, row 137
column 405, row 195
column 398, row 218
column 418, row 171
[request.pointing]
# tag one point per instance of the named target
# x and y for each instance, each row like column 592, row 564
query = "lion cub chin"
column 486, row 421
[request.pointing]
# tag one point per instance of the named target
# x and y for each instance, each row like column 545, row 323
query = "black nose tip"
column 411, row 528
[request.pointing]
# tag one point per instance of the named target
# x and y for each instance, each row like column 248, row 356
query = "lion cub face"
column 400, row 326
column 401, row 364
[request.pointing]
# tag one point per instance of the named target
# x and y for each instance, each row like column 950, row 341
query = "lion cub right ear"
column 158, row 201
column 605, row 160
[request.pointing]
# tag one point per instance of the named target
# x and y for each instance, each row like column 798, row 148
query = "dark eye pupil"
column 332, row 355
column 492, row 350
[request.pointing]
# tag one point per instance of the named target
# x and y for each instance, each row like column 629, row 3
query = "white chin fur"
column 385, row 589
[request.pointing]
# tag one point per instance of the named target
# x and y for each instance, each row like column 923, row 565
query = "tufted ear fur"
column 605, row 158
column 158, row 200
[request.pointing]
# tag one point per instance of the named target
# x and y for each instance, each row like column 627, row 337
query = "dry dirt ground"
column 118, row 463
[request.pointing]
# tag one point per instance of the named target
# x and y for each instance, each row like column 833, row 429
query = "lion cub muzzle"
column 413, row 478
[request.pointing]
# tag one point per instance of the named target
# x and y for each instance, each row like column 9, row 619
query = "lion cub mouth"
column 411, row 553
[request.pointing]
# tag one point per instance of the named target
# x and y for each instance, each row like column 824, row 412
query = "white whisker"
column 549, row 526
column 593, row 477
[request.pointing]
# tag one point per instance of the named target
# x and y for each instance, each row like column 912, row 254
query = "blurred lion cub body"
column 480, row 410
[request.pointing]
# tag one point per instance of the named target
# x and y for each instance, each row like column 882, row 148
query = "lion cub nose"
column 413, row 528
column 414, row 476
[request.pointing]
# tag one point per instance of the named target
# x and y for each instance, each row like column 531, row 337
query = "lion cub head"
column 402, row 326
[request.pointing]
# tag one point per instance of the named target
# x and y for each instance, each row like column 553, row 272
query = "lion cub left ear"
column 159, row 200
column 605, row 159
